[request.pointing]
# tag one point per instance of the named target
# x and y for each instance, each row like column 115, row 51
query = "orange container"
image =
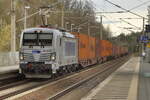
column 92, row 47
column 87, row 46
column 84, row 51
column 105, row 48
column 109, row 48
column 97, row 48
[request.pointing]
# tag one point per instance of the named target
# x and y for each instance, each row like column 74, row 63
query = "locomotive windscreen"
column 37, row 39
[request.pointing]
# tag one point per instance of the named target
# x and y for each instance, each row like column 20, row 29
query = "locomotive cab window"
column 29, row 39
column 37, row 39
column 45, row 39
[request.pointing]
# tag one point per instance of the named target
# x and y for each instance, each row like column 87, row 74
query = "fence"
column 9, row 58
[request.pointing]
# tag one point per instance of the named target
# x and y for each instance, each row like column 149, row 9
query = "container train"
column 45, row 52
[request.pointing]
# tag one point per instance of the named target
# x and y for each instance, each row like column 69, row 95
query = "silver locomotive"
column 45, row 52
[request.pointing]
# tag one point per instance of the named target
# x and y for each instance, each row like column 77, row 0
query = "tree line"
column 80, row 13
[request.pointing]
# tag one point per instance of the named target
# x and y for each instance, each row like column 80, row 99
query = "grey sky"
column 102, row 5
column 128, row 4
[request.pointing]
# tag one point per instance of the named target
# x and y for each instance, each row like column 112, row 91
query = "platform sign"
column 148, row 45
column 144, row 39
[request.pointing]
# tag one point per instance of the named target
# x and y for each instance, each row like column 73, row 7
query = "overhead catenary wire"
column 117, row 21
column 39, row 11
column 126, row 29
column 139, row 0
column 124, row 9
column 130, row 18
column 128, row 11
column 110, row 20
column 139, row 5
column 28, row 16
column 130, row 23
column 110, row 12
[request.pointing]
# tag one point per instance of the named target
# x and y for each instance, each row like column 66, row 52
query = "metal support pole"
column 63, row 14
column 142, row 48
column 66, row 25
column 13, row 27
column 46, row 20
column 25, row 18
column 148, row 15
column 101, row 28
column 143, row 24
column 88, row 28
column 143, row 33
column 89, row 34
column 72, row 27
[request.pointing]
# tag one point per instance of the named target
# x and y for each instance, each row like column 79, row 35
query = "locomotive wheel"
column 21, row 76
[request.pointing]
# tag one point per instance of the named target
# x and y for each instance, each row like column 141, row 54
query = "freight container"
column 109, row 47
column 114, row 51
column 92, row 47
column 87, row 49
column 105, row 49
column 97, row 48
column 94, row 50
column 119, row 51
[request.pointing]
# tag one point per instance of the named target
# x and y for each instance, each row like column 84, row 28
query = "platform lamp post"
column 101, row 27
column 25, row 16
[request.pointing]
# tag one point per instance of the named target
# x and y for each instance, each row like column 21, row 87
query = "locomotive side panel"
column 69, row 51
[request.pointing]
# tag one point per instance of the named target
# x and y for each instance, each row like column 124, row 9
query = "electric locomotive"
column 45, row 52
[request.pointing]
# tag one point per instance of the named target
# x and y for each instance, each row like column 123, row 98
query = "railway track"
column 25, row 85
column 8, row 78
column 103, row 74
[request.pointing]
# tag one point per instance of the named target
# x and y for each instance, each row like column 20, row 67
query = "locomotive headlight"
column 53, row 57
column 21, row 57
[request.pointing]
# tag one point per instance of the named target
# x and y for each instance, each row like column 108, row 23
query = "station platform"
column 8, row 69
column 144, row 80
column 121, row 85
